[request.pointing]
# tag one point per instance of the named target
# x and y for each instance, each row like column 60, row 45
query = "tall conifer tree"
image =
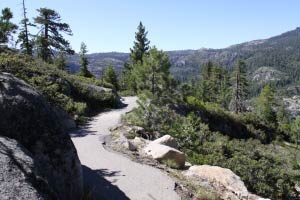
column 141, row 45
column 7, row 28
column 24, row 37
column 239, row 88
column 265, row 103
column 137, row 52
column 205, row 86
column 50, row 37
column 84, row 62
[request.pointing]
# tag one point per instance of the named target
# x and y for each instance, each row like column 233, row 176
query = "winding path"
column 112, row 176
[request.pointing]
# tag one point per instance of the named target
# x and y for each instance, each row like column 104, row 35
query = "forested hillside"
column 280, row 52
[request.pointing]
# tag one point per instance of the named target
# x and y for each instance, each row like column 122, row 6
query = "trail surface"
column 112, row 176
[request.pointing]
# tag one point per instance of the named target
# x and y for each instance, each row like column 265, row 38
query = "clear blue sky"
column 109, row 25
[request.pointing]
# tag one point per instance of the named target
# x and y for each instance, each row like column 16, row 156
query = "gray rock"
column 139, row 142
column 131, row 146
column 292, row 106
column 293, row 90
column 67, row 123
column 28, row 118
column 17, row 176
column 128, row 144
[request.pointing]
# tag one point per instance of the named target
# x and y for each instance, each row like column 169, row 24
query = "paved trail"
column 112, row 176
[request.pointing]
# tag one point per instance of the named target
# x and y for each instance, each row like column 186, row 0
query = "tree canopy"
column 139, row 50
column 50, row 35
column 7, row 28
column 141, row 45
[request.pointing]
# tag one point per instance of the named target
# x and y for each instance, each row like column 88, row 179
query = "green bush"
column 171, row 163
column 242, row 126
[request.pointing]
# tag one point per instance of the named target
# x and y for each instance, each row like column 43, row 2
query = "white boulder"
column 163, row 153
column 166, row 140
column 228, row 184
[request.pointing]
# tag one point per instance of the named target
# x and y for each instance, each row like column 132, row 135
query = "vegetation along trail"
column 112, row 176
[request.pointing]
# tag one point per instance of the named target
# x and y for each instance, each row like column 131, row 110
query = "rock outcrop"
column 224, row 181
column 293, row 90
column 17, row 176
column 27, row 118
column 266, row 74
column 292, row 106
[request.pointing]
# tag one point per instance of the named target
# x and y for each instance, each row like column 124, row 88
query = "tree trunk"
column 26, row 29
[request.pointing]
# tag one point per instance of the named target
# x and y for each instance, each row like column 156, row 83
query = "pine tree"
column 84, row 62
column 24, row 35
column 153, row 74
column 222, row 88
column 50, row 37
column 111, row 77
column 7, row 28
column 205, row 86
column 283, row 119
column 239, row 88
column 264, row 105
column 282, row 115
column 295, row 131
column 214, row 85
column 141, row 45
column 61, row 61
column 137, row 53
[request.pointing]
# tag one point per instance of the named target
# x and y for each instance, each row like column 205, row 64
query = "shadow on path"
column 82, row 132
column 100, row 187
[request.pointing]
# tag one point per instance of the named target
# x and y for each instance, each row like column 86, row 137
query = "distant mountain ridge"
column 281, row 52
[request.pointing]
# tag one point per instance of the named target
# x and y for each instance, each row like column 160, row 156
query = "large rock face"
column 28, row 118
column 17, row 175
column 223, row 180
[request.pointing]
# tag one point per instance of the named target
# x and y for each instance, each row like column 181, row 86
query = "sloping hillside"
column 78, row 96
